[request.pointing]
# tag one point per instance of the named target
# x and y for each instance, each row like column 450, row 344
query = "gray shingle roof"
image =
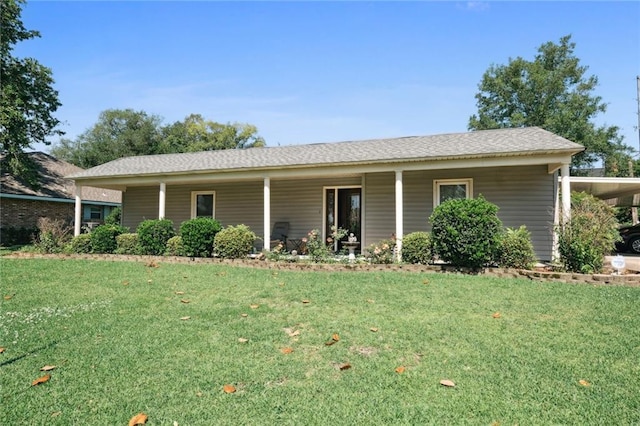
column 53, row 184
column 487, row 143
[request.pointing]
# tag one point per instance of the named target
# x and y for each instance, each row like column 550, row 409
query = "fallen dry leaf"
column 242, row 340
column 447, row 383
column 244, row 315
column 179, row 292
column 149, row 281
column 41, row 380
column 400, row 370
column 335, row 337
column 294, row 333
column 286, row 351
column 185, row 318
column 254, row 306
column 125, row 282
column 371, row 301
column 152, row 264
column 584, row 383
column 138, row 419
column 185, row 300
column 305, row 301
column 374, row 329
column 330, row 342
column 199, row 394
column 496, row 315
column 8, row 297
column 425, row 282
column 229, row 388
column 345, row 366
column 2, row 350
column 48, row 368
column 56, row 413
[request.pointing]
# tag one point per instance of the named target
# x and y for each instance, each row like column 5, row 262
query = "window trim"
column 437, row 183
column 194, row 200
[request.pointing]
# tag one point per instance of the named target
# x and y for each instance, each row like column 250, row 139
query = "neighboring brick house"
column 22, row 206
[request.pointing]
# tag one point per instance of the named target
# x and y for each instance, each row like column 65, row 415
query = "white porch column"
column 565, row 188
column 162, row 202
column 77, row 224
column 399, row 215
column 267, row 214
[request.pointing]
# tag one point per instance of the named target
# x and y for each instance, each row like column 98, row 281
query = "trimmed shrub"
column 416, row 248
column 516, row 249
column 127, row 243
column 382, row 252
column 103, row 238
column 466, row 232
column 54, row 235
column 590, row 234
column 79, row 244
column 174, row 246
column 114, row 218
column 234, row 242
column 197, row 236
column 153, row 235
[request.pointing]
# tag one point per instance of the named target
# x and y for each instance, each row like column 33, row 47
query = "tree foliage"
column 118, row 133
column 197, row 134
column 552, row 92
column 27, row 100
column 124, row 133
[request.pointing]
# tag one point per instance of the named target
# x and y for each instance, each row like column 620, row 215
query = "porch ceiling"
column 607, row 188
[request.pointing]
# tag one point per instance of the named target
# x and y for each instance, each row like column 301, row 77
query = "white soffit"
column 606, row 188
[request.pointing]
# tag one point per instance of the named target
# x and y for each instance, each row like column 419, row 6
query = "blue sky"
column 306, row 72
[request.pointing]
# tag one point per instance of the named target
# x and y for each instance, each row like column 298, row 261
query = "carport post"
column 77, row 224
column 566, row 193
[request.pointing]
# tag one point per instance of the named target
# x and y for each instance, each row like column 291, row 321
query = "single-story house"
column 374, row 188
column 22, row 206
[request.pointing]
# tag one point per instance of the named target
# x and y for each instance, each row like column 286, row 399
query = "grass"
column 115, row 334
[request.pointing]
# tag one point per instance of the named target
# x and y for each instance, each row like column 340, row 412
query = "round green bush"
column 197, row 236
column 127, row 243
column 466, row 232
column 103, row 238
column 174, row 246
column 80, row 244
column 234, row 242
column 516, row 249
column 153, row 235
column 416, row 248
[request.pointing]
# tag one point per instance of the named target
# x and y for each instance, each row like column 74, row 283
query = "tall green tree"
column 195, row 133
column 552, row 92
column 27, row 100
column 118, row 133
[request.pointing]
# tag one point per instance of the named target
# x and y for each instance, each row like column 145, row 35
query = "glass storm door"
column 343, row 209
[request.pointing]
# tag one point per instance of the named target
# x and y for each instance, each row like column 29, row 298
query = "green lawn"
column 114, row 331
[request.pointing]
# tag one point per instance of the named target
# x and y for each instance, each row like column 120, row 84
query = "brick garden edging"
column 631, row 280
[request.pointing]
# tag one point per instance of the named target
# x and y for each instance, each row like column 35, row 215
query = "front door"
column 343, row 209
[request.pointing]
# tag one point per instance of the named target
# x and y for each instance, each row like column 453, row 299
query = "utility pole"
column 636, row 197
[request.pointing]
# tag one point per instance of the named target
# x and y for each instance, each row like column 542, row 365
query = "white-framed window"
column 451, row 189
column 203, row 204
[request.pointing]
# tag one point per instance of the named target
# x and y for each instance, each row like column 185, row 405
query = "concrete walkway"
column 632, row 262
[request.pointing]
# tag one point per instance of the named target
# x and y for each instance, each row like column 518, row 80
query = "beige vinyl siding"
column 524, row 196
column 298, row 202
column 138, row 204
column 379, row 202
